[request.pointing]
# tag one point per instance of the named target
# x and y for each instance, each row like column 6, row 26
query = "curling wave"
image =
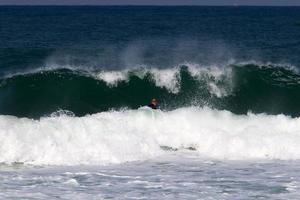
column 236, row 88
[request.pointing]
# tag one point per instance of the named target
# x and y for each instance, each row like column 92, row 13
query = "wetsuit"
column 153, row 106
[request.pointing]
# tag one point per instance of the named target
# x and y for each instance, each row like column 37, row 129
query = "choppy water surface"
column 177, row 176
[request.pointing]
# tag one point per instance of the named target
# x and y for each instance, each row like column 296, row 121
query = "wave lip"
column 237, row 88
column 132, row 135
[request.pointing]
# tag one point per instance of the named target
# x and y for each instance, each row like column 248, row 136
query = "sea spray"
column 131, row 135
column 271, row 89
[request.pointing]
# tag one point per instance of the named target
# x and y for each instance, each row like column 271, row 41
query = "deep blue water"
column 106, row 38
column 30, row 34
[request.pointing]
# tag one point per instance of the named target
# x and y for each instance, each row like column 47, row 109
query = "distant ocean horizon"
column 137, row 5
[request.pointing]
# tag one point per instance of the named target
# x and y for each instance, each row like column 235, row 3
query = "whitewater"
column 135, row 135
column 187, row 153
column 195, row 149
column 74, row 82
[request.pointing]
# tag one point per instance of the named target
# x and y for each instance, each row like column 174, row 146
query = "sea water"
column 177, row 176
column 74, row 80
column 185, row 153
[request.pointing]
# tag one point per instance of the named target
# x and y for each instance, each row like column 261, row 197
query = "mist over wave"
column 239, row 88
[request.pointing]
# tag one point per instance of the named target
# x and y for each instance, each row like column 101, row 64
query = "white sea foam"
column 164, row 78
column 213, row 75
column 112, row 78
column 170, row 78
column 116, row 137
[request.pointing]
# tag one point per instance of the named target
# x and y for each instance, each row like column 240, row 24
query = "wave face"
column 122, row 136
column 72, row 80
column 237, row 88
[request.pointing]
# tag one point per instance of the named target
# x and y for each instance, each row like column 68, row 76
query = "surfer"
column 153, row 104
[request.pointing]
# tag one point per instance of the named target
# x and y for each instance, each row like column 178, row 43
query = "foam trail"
column 116, row 137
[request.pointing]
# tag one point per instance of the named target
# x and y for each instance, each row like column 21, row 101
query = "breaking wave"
column 132, row 135
column 237, row 88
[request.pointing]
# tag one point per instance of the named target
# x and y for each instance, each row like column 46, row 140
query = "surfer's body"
column 153, row 104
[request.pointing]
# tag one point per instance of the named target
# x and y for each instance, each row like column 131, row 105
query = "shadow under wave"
column 259, row 89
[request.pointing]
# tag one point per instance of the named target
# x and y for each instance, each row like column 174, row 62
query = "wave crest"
column 237, row 88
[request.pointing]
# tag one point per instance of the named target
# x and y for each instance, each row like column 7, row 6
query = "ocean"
column 74, row 82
